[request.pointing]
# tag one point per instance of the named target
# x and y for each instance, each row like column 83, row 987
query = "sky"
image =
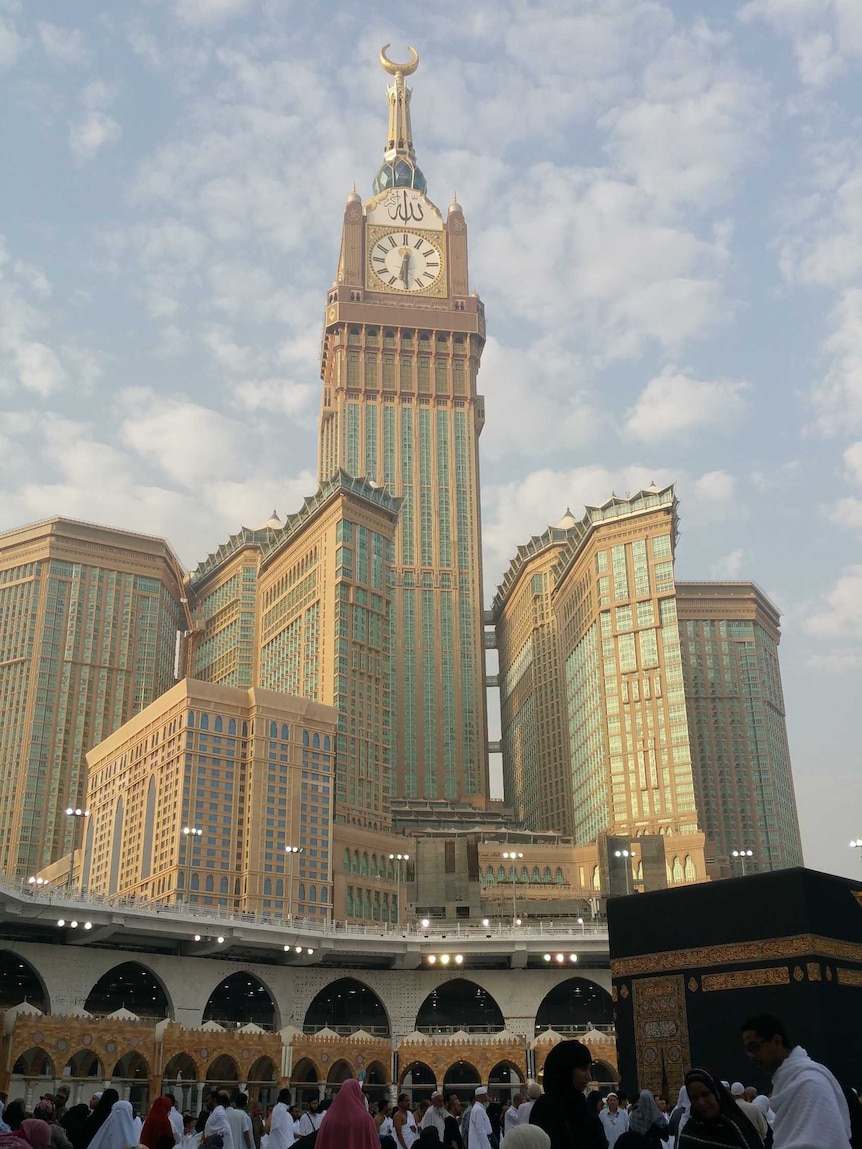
column 664, row 203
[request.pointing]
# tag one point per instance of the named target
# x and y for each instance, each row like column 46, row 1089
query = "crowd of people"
column 804, row 1108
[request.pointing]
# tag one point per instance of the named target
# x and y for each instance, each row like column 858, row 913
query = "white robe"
column 480, row 1127
column 217, row 1122
column 176, row 1120
column 117, row 1131
column 810, row 1110
column 281, row 1128
column 614, row 1125
column 435, row 1118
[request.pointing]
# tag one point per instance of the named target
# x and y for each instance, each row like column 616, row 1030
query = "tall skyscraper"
column 403, row 337
column 636, row 706
column 88, row 625
column 730, row 634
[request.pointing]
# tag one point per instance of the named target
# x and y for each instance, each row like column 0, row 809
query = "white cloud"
column 823, row 245
column 278, row 396
column 846, row 513
column 826, row 34
column 730, row 566
column 64, row 44
column 39, row 368
column 188, row 443
column 89, row 135
column 841, row 616
column 207, row 13
column 853, row 462
column 11, row 43
column 673, row 403
column 837, row 661
column 837, row 397
column 714, row 487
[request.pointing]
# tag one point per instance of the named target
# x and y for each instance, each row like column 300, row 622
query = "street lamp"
column 75, row 812
column 626, row 866
column 742, row 855
column 36, row 883
column 513, row 856
column 190, row 832
column 398, row 859
column 291, row 852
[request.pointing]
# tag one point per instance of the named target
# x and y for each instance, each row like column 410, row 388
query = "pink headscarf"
column 348, row 1123
column 36, row 1133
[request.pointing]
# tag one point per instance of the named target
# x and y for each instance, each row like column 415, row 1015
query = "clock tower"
column 402, row 342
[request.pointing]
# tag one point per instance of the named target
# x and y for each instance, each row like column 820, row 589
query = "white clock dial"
column 405, row 261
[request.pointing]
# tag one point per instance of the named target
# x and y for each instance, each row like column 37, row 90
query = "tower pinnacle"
column 399, row 159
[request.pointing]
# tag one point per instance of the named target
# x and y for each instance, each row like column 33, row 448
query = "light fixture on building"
column 309, row 952
column 197, row 937
column 432, row 959
column 424, row 923
column 486, row 922
column 88, row 925
column 547, row 957
column 61, row 921
column 74, row 925
column 459, row 959
column 444, row 959
column 298, row 949
column 560, row 958
column 220, row 940
column 37, row 881
column 573, row 957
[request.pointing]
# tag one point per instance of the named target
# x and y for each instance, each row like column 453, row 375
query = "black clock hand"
column 405, row 268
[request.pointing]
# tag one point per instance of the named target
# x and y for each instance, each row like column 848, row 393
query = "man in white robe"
column 281, row 1129
column 480, row 1122
column 435, row 1116
column 810, row 1109
column 217, row 1121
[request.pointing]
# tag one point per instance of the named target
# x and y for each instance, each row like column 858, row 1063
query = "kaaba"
column 689, row 965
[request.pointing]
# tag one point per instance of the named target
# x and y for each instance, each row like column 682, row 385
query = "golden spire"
column 399, row 166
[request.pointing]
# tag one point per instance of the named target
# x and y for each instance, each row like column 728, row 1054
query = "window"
column 205, row 721
column 209, row 884
column 217, row 725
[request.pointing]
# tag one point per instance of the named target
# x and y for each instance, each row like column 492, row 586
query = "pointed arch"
column 223, row 1069
column 348, row 1004
column 339, row 1072
column 34, row 1062
column 459, row 1004
column 84, row 1063
column 133, row 986
column 241, row 998
column 573, row 1004
column 21, row 981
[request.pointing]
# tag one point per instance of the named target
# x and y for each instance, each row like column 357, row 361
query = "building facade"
column 88, row 629
column 197, row 799
column 403, row 337
column 729, row 641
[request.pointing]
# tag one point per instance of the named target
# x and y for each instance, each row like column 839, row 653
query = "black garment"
column 452, row 1133
column 201, row 1122
column 568, row 1122
column 74, row 1121
column 631, row 1140
column 656, row 1134
column 99, row 1115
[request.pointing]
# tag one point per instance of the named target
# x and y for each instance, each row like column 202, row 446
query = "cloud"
column 842, row 614
column 89, row 135
column 836, row 661
column 278, row 396
column 208, row 13
column 826, row 35
column 730, row 566
column 846, row 513
column 853, row 462
column 11, row 43
column 673, row 403
column 837, row 397
column 39, row 368
column 823, row 241
column 64, row 44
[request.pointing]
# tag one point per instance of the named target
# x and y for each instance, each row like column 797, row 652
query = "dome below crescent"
column 399, row 173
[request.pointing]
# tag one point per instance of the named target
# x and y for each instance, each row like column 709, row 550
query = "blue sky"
column 665, row 212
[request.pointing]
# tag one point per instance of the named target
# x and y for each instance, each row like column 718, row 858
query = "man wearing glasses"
column 810, row 1110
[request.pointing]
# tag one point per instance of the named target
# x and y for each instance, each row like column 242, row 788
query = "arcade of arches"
column 125, row 1035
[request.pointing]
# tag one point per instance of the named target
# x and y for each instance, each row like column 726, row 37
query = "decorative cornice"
column 702, row 957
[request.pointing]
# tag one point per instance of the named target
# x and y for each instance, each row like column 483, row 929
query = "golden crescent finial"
column 393, row 69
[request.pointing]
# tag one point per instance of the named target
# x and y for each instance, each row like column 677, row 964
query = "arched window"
column 639, row 872
column 217, row 725
column 536, row 877
column 501, row 874
column 267, row 887
column 231, row 726
column 525, row 874
column 558, row 876
column 279, row 887
column 245, row 730
column 181, row 879
column 273, row 730
column 364, row 863
column 346, row 863
column 195, row 884
column 190, row 720
column 315, row 741
column 205, row 721
column 324, row 895
column 222, row 886
column 312, row 893
column 546, row 875
column 305, row 738
column 597, row 880
column 677, row 869
column 356, row 861
column 689, row 869
column 285, row 732
column 302, row 891
column 348, row 902
column 489, row 875
column 327, row 742
column 373, row 870
column 209, row 884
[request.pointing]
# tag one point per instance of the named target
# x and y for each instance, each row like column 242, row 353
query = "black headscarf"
column 731, row 1127
column 99, row 1115
column 14, row 1113
column 563, row 1111
column 74, row 1121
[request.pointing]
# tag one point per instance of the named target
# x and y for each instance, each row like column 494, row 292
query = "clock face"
column 405, row 261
